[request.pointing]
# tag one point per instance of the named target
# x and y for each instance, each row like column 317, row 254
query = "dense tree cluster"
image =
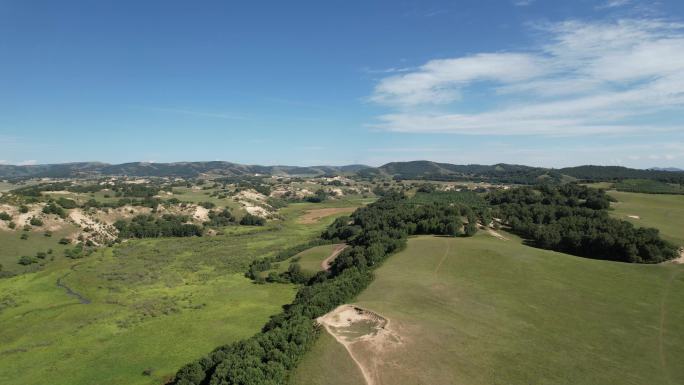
column 252, row 220
column 573, row 219
column 374, row 232
column 220, row 218
column 149, row 226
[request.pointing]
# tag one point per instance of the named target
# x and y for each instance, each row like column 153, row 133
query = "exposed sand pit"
column 315, row 215
column 365, row 335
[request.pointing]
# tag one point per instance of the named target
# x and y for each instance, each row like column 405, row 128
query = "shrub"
column 4, row 216
column 252, row 220
column 26, row 260
column 36, row 221
column 24, row 236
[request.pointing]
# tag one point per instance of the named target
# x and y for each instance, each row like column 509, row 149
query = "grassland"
column 13, row 247
column 664, row 212
column 145, row 306
column 482, row 310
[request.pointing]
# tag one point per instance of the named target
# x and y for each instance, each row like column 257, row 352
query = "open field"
column 662, row 211
column 12, row 247
column 483, row 310
column 135, row 313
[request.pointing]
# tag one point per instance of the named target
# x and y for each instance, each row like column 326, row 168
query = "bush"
column 26, row 260
column 252, row 220
column 4, row 216
column 24, row 236
column 23, row 209
column 64, row 241
column 36, row 221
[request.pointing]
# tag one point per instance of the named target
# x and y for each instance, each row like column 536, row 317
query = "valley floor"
column 135, row 313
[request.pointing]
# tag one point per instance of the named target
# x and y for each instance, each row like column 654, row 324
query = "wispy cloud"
column 614, row 4
column 586, row 78
column 28, row 162
column 523, row 3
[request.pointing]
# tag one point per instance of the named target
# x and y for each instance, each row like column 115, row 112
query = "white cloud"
column 27, row 163
column 614, row 4
column 2, row 161
column 523, row 3
column 587, row 78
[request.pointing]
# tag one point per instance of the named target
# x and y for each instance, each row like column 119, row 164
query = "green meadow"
column 134, row 313
column 662, row 211
column 483, row 310
column 13, row 247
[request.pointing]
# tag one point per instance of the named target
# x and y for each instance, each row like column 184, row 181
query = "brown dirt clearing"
column 366, row 336
column 315, row 215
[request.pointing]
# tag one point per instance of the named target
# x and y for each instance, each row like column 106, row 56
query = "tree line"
column 574, row 219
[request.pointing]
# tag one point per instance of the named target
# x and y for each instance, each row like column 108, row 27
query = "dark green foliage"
column 318, row 197
column 64, row 241
column 66, row 203
column 147, row 226
column 221, row 218
column 208, row 205
column 617, row 173
column 52, row 208
column 252, row 220
column 573, row 219
column 35, row 221
column 24, row 236
column 78, row 251
column 4, row 216
column 23, row 209
column 26, row 260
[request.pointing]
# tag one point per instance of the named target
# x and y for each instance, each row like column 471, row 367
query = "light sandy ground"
column 313, row 216
column 325, row 264
column 680, row 260
column 496, row 234
column 201, row 214
column 633, row 216
column 250, row 194
column 365, row 335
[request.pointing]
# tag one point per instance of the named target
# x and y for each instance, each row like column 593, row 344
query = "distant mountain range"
column 177, row 169
column 421, row 170
column 671, row 169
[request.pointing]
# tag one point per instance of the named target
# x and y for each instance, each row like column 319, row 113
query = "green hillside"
column 483, row 310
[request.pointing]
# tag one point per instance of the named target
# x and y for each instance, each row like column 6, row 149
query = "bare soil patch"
column 315, row 215
column 365, row 335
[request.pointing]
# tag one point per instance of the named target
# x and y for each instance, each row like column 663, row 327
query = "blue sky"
column 549, row 83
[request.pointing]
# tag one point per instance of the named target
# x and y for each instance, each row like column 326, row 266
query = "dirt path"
column 444, row 257
column 327, row 262
column 71, row 291
column 364, row 334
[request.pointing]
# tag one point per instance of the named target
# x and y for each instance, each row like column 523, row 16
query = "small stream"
column 70, row 291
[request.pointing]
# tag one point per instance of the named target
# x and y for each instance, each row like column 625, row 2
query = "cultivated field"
column 135, row 313
column 662, row 211
column 483, row 310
